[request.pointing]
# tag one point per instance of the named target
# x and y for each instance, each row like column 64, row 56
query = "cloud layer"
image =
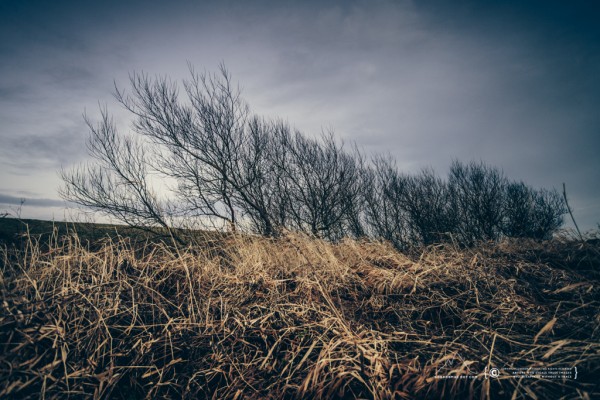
column 512, row 84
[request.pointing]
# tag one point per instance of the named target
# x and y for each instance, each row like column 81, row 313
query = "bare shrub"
column 531, row 213
column 476, row 193
column 383, row 192
column 198, row 157
column 426, row 200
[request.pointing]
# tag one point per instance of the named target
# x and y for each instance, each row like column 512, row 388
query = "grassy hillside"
column 18, row 231
column 299, row 318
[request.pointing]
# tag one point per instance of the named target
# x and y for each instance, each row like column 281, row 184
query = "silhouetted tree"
column 210, row 146
column 118, row 184
column 218, row 164
column 476, row 195
column 531, row 213
column 427, row 203
column 383, row 192
column 320, row 182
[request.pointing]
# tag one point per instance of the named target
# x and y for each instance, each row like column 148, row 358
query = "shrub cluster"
column 224, row 167
column 475, row 203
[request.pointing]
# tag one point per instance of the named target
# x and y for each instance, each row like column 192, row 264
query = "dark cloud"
column 11, row 92
column 511, row 83
column 33, row 202
column 69, row 76
column 52, row 146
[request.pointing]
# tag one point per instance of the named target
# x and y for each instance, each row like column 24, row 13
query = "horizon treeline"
column 219, row 165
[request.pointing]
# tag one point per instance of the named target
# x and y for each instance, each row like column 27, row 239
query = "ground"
column 88, row 313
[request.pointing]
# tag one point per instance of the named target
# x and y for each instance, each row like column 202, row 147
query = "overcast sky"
column 515, row 84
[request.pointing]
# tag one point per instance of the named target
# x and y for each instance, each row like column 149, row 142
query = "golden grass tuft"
column 297, row 317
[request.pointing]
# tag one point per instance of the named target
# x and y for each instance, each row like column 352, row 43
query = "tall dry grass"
column 296, row 318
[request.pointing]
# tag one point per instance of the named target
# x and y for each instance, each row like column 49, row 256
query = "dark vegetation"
column 218, row 165
column 17, row 232
column 243, row 316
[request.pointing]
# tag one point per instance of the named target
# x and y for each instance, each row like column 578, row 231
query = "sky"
column 515, row 84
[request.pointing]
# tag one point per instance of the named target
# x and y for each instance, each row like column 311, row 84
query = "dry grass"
column 296, row 318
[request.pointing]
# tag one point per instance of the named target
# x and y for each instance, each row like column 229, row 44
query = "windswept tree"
column 476, row 193
column 201, row 139
column 321, row 182
column 259, row 185
column 531, row 213
column 385, row 215
column 118, row 183
column 223, row 166
column 207, row 144
column 196, row 155
column 427, row 203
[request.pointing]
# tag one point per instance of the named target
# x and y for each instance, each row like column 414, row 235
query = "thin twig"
column 571, row 212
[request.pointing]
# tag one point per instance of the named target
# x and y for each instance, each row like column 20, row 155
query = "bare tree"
column 258, row 183
column 217, row 154
column 224, row 166
column 320, row 182
column 531, row 213
column 383, row 192
column 202, row 138
column 118, row 185
column 426, row 201
column 476, row 195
